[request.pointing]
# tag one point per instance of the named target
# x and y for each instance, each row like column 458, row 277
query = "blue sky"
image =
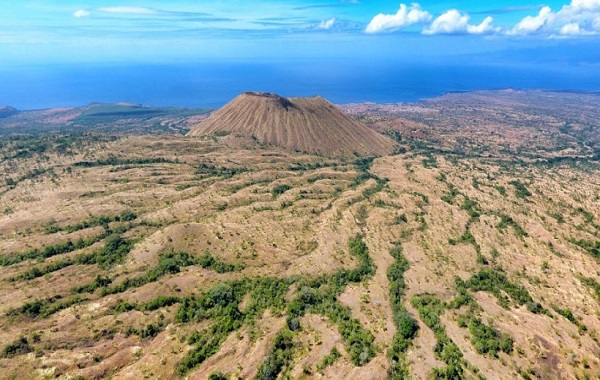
column 184, row 52
column 182, row 30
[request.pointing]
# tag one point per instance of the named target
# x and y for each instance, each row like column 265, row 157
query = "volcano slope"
column 167, row 257
column 304, row 124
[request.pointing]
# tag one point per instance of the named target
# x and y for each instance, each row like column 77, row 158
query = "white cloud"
column 326, row 24
column 450, row 22
column 455, row 22
column 579, row 18
column 570, row 29
column 81, row 13
column 585, row 4
column 532, row 24
column 405, row 16
column 483, row 28
column 128, row 10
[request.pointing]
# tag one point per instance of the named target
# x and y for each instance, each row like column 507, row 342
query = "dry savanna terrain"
column 145, row 255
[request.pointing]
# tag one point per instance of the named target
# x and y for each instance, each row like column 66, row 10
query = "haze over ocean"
column 212, row 84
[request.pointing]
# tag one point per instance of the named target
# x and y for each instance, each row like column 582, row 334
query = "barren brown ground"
column 236, row 216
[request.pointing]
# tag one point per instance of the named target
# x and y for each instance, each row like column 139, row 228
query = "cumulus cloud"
column 532, row 24
column 455, row 22
column 81, row 13
column 405, row 16
column 326, row 24
column 579, row 18
column 483, row 28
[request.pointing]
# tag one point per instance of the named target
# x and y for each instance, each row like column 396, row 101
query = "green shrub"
column 18, row 347
column 592, row 284
column 45, row 307
column 507, row 221
column 279, row 357
column 329, row 359
column 217, row 376
column 279, row 189
column 494, row 281
column 591, row 247
column 521, row 190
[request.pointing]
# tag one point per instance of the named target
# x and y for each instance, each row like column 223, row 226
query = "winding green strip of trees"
column 406, row 326
column 430, row 310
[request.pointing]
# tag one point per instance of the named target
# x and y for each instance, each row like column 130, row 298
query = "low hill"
column 305, row 124
column 6, row 111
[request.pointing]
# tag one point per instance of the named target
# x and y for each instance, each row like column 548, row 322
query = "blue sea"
column 212, row 83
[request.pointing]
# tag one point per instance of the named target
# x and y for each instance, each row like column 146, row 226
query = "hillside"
column 167, row 256
column 100, row 117
column 303, row 124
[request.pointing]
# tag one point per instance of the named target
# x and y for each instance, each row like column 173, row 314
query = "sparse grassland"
column 163, row 257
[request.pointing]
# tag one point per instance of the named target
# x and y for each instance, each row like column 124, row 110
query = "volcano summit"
column 306, row 124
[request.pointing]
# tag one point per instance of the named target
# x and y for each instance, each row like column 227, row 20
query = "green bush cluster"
column 114, row 251
column 592, row 284
column 217, row 376
column 95, row 221
column 507, row 221
column 280, row 189
column 591, row 247
column 155, row 304
column 521, row 190
column 39, row 272
column 430, row 161
column 568, row 314
column 45, row 307
column 209, row 170
column 279, row 357
column 169, row 263
column 99, row 282
column 486, row 339
column 18, row 347
column 317, row 295
column 149, row 331
column 320, row 296
column 329, row 359
column 494, row 281
column 50, row 250
column 114, row 161
column 452, row 193
column 430, row 309
column 363, row 167
column 406, row 326
column 221, row 304
column 472, row 207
